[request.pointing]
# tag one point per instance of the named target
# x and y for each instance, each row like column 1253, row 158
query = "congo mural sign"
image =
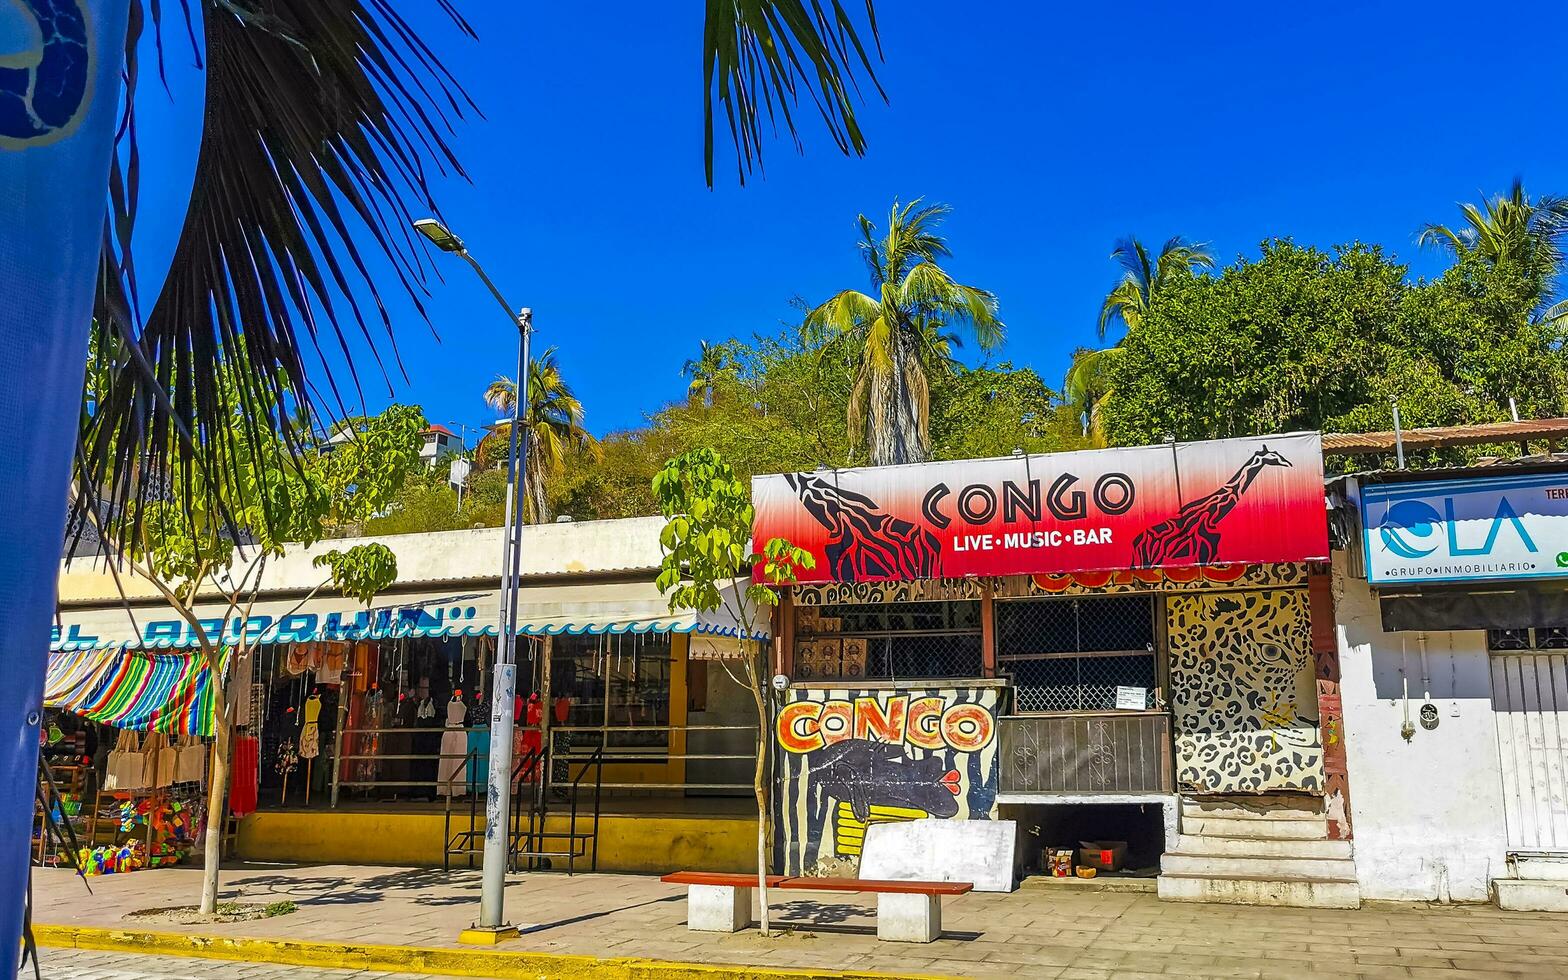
column 1242, row 501
column 853, row 758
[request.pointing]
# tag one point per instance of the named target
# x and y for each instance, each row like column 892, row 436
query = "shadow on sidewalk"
column 588, row 916
column 344, row 890
column 808, row 916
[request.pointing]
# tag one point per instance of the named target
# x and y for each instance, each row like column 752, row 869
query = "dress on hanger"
column 454, row 751
column 370, row 742
column 310, row 733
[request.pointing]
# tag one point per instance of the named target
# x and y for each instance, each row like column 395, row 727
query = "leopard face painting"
column 1243, row 692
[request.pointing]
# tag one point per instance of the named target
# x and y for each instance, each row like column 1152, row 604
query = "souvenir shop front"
column 364, row 731
column 1088, row 644
column 126, row 742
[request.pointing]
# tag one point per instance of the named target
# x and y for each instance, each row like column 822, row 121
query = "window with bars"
column 1544, row 638
column 890, row 641
column 1072, row 654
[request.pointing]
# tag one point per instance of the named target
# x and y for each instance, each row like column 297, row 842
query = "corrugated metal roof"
column 580, row 549
column 1362, row 443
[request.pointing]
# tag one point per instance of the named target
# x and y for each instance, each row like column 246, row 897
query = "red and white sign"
column 1241, row 501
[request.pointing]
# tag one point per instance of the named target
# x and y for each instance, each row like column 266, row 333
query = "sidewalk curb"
column 423, row 959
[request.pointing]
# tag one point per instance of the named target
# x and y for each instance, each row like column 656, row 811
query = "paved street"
column 76, row 964
column 1039, row 931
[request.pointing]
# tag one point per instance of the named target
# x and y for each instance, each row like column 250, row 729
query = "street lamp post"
column 498, row 783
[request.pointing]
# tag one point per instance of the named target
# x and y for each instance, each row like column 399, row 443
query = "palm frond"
column 758, row 55
column 321, row 119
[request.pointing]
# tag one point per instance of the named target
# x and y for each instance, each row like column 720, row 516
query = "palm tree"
column 1528, row 234
column 1087, row 385
column 899, row 335
column 323, row 118
column 552, row 429
column 712, row 363
column 1142, row 277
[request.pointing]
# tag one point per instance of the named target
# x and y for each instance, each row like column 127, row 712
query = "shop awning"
column 164, row 692
column 616, row 607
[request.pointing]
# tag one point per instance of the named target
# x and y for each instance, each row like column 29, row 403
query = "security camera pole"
column 491, row 926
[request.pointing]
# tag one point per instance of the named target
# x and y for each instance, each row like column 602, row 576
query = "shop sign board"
column 1480, row 528
column 1244, row 501
column 850, row 758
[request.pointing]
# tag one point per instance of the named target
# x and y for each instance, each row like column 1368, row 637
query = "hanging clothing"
column 479, row 751
column 375, row 718
column 242, row 781
column 310, row 732
column 454, row 751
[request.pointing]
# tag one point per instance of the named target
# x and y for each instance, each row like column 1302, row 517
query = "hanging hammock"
column 161, row 692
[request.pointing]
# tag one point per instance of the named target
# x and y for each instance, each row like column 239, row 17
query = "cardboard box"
column 1103, row 855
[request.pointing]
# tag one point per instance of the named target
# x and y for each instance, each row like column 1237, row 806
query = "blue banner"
column 60, row 66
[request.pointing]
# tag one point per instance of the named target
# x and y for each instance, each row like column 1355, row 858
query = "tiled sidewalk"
column 1035, row 932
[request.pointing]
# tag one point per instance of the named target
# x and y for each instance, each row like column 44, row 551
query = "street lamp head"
column 439, row 234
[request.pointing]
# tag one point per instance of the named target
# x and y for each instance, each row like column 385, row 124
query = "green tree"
column 1087, row 385
column 989, row 412
column 899, row 334
column 552, row 430
column 428, row 502
column 188, row 553
column 1512, row 232
column 1301, row 339
column 707, row 566
column 713, row 363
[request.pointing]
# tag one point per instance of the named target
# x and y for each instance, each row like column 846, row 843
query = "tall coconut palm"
column 552, row 429
column 713, row 363
column 1143, row 275
column 1087, row 385
column 900, row 334
column 1527, row 233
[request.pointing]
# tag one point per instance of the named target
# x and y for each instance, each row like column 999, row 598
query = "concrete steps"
column 1295, row 892
column 1531, row 894
column 1259, row 851
column 1266, row 828
column 1255, row 846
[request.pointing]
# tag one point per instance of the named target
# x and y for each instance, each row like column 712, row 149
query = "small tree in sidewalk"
column 707, row 548
column 189, row 555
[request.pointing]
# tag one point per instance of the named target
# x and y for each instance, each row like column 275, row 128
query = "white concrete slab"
column 717, row 908
column 977, row 851
column 909, row 918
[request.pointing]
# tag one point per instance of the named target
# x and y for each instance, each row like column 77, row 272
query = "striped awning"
column 543, row 610
column 163, row 692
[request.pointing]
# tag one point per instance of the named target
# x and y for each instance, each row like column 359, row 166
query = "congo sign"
column 1504, row 527
column 925, row 722
column 855, row 757
column 1233, row 501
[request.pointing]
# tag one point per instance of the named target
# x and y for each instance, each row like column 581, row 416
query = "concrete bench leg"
column 909, row 918
column 717, row 908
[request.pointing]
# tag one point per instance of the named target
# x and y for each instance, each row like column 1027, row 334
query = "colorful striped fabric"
column 161, row 692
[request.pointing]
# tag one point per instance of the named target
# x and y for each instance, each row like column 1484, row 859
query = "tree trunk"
column 760, row 788
column 217, row 786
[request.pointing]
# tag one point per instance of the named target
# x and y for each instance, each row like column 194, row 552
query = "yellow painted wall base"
column 640, row 843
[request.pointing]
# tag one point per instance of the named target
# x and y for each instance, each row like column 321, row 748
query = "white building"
column 1453, row 632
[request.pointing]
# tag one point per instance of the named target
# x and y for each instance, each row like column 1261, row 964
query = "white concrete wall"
column 1427, row 813
column 575, row 548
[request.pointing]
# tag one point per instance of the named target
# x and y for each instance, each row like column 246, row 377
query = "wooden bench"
column 907, row 911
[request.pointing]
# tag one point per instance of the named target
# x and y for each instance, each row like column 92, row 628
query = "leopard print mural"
column 1243, row 692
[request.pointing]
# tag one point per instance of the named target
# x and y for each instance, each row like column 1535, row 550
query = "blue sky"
column 1051, row 132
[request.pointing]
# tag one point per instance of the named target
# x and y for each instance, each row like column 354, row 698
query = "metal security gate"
column 1530, row 703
